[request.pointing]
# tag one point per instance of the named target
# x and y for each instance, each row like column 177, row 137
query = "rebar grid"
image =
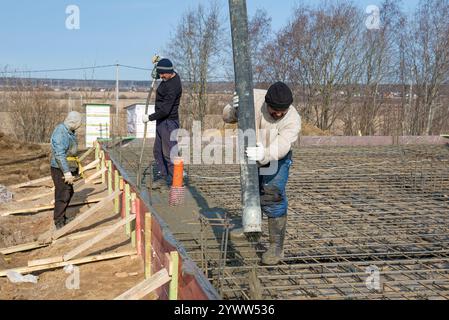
column 351, row 209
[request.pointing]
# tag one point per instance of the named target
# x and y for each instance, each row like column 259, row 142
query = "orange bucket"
column 178, row 173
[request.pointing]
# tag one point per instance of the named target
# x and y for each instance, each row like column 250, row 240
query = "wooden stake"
column 133, row 223
column 139, row 229
column 116, row 187
column 127, row 208
column 109, row 165
column 148, row 246
column 103, row 166
column 146, row 286
column 174, row 267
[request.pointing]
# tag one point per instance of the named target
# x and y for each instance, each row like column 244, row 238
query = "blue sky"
column 34, row 36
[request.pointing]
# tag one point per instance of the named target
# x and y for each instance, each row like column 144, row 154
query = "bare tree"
column 427, row 56
column 324, row 57
column 260, row 34
column 32, row 110
column 378, row 60
column 195, row 49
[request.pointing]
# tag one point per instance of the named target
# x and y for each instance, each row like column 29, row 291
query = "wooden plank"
column 22, row 247
column 174, row 267
column 40, row 262
column 48, row 207
column 146, row 287
column 101, row 257
column 86, row 245
column 94, row 176
column 36, row 196
column 91, row 165
column 445, row 136
column 84, row 216
column 48, row 178
column 148, row 246
column 39, row 244
column 29, row 183
column 75, row 186
column 86, row 154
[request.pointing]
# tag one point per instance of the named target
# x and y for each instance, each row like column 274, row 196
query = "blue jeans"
column 273, row 198
column 163, row 146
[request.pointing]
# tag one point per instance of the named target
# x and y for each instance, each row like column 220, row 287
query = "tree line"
column 379, row 71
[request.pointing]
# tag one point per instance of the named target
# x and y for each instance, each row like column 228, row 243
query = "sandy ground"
column 98, row 280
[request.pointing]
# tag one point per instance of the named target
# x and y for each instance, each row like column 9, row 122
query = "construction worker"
column 168, row 97
column 275, row 116
column 64, row 166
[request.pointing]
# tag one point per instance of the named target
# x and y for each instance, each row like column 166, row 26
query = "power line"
column 59, row 70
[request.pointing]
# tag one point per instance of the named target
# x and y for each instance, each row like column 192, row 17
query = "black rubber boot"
column 276, row 229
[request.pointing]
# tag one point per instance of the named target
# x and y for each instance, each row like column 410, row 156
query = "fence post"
column 174, row 268
column 132, row 224
column 148, row 246
column 116, row 187
column 127, row 208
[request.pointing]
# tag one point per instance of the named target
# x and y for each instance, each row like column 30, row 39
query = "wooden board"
column 146, row 287
column 59, row 233
column 39, row 244
column 101, row 257
column 48, row 178
column 40, row 262
column 86, row 245
column 47, row 207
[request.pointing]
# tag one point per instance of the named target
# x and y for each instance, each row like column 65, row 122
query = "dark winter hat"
column 279, row 96
column 164, row 66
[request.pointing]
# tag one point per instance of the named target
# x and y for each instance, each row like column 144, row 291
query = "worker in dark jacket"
column 168, row 97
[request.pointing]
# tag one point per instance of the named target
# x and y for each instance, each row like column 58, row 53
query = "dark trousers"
column 163, row 146
column 63, row 194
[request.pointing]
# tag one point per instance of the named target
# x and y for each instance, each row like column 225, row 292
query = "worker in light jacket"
column 278, row 125
column 168, row 97
column 64, row 164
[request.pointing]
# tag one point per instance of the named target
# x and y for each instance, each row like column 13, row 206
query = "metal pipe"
column 252, row 218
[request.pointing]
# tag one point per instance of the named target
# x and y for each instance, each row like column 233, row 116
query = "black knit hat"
column 279, row 96
column 164, row 66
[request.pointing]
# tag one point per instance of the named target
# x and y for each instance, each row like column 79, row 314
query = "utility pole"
column 249, row 176
column 117, row 121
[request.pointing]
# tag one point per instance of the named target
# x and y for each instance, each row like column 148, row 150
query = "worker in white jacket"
column 278, row 125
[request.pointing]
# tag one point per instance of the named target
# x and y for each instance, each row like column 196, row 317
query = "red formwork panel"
column 188, row 286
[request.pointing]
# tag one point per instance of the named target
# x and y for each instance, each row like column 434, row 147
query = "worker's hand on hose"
column 146, row 118
column 156, row 58
column 69, row 178
column 256, row 153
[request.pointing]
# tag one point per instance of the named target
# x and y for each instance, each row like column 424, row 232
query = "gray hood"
column 73, row 120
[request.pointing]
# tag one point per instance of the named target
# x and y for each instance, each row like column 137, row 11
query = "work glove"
column 146, row 118
column 235, row 101
column 69, row 178
column 154, row 73
column 256, row 153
